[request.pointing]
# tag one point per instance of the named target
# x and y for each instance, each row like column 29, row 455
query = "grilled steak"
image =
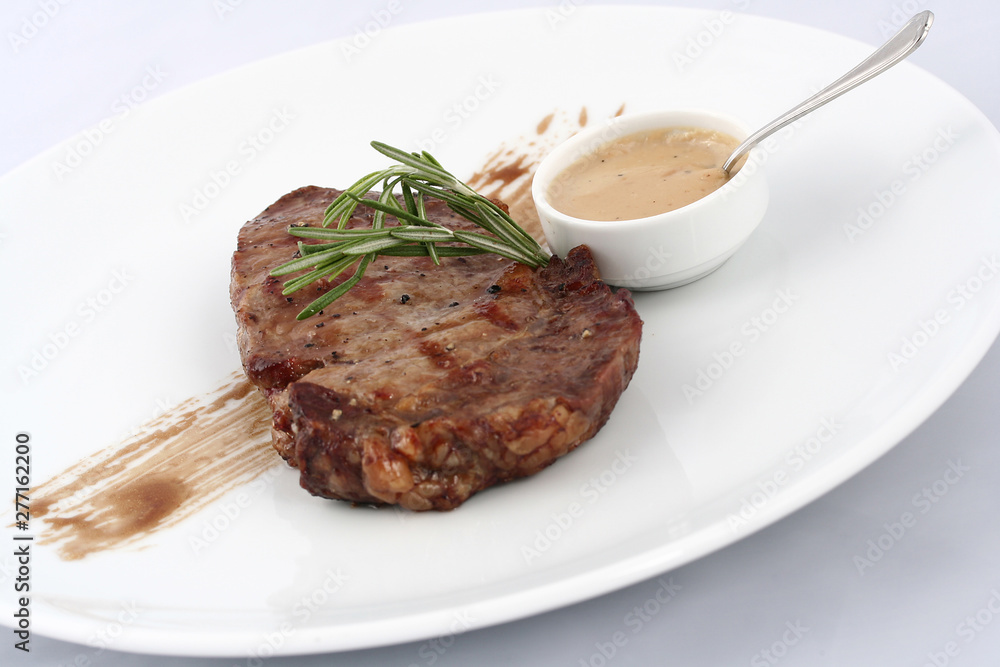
column 424, row 384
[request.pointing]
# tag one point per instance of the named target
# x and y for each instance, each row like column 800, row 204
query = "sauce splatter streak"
column 178, row 463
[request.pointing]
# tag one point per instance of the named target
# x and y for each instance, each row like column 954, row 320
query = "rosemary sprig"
column 418, row 175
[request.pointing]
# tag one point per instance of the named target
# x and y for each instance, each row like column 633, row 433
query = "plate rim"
column 909, row 417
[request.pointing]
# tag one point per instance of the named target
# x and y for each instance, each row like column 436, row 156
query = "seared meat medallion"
column 425, row 384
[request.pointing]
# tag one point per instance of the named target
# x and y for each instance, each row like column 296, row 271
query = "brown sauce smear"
column 178, row 464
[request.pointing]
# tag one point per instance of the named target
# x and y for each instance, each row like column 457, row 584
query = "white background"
column 729, row 607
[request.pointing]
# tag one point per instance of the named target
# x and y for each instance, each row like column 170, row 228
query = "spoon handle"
column 898, row 47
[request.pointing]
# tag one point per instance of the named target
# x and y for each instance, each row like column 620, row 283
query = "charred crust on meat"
column 427, row 405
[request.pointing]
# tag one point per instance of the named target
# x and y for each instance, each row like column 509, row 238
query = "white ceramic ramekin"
column 665, row 250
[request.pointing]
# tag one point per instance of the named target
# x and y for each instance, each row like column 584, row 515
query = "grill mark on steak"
column 482, row 375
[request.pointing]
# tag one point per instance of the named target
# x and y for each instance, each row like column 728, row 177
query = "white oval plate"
column 865, row 298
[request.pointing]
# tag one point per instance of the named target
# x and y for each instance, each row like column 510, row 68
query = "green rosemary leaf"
column 432, row 250
column 414, row 233
column 447, row 196
column 430, row 158
column 443, row 251
column 418, row 176
column 343, row 206
column 408, row 201
column 494, row 219
column 337, row 292
column 335, row 234
column 515, row 229
column 314, row 248
column 491, row 244
column 373, row 246
column 398, row 212
column 427, row 168
column 310, row 260
column 327, row 270
column 389, row 203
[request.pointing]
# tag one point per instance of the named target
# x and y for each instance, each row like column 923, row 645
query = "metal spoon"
column 900, row 45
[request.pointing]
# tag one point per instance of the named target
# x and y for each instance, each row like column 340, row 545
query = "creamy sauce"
column 643, row 174
column 175, row 466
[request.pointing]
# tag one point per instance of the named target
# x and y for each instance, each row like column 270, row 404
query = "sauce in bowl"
column 637, row 248
column 643, row 174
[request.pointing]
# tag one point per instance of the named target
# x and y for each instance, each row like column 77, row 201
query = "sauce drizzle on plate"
column 175, row 466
